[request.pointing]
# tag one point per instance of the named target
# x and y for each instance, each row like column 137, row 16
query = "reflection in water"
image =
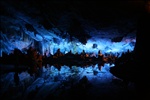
column 63, row 73
column 52, row 73
column 51, row 80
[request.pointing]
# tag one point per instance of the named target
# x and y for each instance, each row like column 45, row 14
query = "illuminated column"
column 43, row 50
column 0, row 53
column 51, row 48
column 74, row 50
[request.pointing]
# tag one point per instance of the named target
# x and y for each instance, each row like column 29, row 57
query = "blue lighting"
column 23, row 31
column 106, row 46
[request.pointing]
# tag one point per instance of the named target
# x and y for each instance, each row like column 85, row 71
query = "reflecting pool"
column 64, row 82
